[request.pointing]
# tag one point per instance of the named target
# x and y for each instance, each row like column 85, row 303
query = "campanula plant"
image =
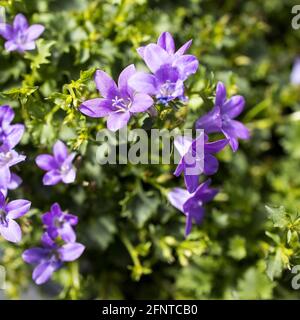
column 70, row 70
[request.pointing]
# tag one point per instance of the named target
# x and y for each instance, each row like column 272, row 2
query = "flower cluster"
column 139, row 91
column 135, row 92
column 58, row 245
column 219, row 119
column 10, row 136
column 59, row 167
column 20, row 36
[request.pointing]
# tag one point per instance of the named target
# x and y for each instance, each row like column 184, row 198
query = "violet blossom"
column 119, row 102
column 166, row 42
column 50, row 257
column 60, row 224
column 220, row 119
column 295, row 75
column 9, row 228
column 14, row 182
column 197, row 155
column 7, row 160
column 170, row 69
column 191, row 204
column 20, row 36
column 59, row 166
column 10, row 134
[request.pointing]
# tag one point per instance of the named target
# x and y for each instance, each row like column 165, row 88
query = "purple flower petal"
column 6, row 31
column 67, row 233
column 183, row 48
column 141, row 51
column 167, row 73
column 178, row 197
column 117, row 120
column 34, row 31
column 295, row 74
column 11, row 231
column 155, row 57
column 71, row 251
column 220, row 94
column 234, row 106
column 141, row 102
column 191, row 182
column 166, row 42
column 46, row 162
column 52, row 177
column 35, row 255
column 15, row 158
column 125, row 89
column 71, row 218
column 216, row 146
column 68, row 161
column 56, row 209
column 187, row 64
column 144, row 83
column 211, row 164
column 6, row 116
column 2, row 201
column 234, row 129
column 27, row 46
column 210, row 122
column 69, row 177
column 14, row 135
column 10, row 46
column 179, row 168
column 47, row 242
column 188, row 224
column 96, row 108
column 106, row 85
column 204, row 193
column 183, row 144
column 60, row 152
column 14, row 182
column 20, row 22
column 17, row 208
column 5, row 176
column 43, row 272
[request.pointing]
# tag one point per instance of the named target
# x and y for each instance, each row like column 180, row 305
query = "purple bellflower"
column 50, row 257
column 60, row 224
column 20, row 36
column 192, row 204
column 295, row 75
column 59, row 166
column 119, row 102
column 220, row 119
column 7, row 160
column 9, row 228
column 10, row 135
column 166, row 42
column 170, row 69
column 14, row 183
column 196, row 153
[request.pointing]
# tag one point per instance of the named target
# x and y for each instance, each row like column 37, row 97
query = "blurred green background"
column 135, row 245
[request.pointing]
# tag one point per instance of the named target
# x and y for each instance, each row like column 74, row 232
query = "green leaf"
column 41, row 55
column 278, row 216
column 255, row 285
